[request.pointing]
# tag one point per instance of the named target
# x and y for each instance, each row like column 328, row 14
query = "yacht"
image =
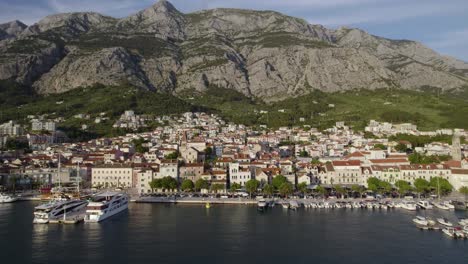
column 262, row 205
column 411, row 206
column 420, row 220
column 105, row 205
column 425, row 205
column 5, row 198
column 444, row 222
column 58, row 209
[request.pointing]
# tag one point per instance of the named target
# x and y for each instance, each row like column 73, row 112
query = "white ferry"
column 57, row 209
column 105, row 205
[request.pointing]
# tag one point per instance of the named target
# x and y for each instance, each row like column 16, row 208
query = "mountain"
column 11, row 29
column 261, row 54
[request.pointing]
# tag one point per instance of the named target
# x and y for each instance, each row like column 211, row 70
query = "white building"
column 238, row 174
column 118, row 175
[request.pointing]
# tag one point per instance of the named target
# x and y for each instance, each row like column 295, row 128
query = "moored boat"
column 444, row 222
column 424, row 205
column 6, row 198
column 420, row 220
column 105, row 205
column 410, row 206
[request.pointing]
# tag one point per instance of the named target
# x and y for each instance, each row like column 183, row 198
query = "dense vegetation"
column 316, row 109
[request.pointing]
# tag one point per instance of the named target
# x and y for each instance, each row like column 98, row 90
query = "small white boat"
column 444, row 222
column 410, row 206
column 293, row 205
column 425, row 205
column 420, row 220
column 449, row 232
column 338, row 205
column 384, row 207
column 441, row 205
column 449, row 205
column 285, row 205
column 349, row 205
column 463, row 222
column 5, row 198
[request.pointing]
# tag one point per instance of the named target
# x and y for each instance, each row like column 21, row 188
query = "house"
column 191, row 171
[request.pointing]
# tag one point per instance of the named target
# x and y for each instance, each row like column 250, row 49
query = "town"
column 201, row 152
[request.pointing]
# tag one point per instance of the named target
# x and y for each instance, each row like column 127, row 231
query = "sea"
column 163, row 233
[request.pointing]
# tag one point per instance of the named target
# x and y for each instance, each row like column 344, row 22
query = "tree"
column 174, row 155
column 217, row 187
column 208, row 151
column 251, row 186
column 235, row 186
column 155, row 184
column 201, row 184
column 187, row 185
column 340, row 190
column 464, row 190
column 373, row 184
column 444, row 184
column 278, row 180
column 268, row 189
column 401, row 147
column 421, row 186
column 357, row 189
column 385, row 187
column 286, row 189
column 169, row 183
column 302, row 187
column 403, row 187
column 321, row 190
column 303, row 154
column 380, row 146
column 139, row 145
column 315, row 161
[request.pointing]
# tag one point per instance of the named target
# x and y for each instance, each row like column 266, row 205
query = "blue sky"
column 439, row 24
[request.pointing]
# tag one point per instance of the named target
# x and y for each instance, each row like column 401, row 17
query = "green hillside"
column 318, row 109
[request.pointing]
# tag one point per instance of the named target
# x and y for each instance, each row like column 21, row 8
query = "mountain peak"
column 162, row 18
column 13, row 28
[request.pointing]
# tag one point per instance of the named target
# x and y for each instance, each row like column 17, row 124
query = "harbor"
column 237, row 230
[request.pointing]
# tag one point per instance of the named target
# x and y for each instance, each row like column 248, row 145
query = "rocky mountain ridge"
column 263, row 54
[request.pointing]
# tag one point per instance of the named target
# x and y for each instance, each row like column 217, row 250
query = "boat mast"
column 438, row 188
column 78, row 178
column 58, row 173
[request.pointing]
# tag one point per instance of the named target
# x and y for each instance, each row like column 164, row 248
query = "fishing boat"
column 444, row 222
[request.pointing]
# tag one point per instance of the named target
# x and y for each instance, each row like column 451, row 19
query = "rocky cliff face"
column 258, row 53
